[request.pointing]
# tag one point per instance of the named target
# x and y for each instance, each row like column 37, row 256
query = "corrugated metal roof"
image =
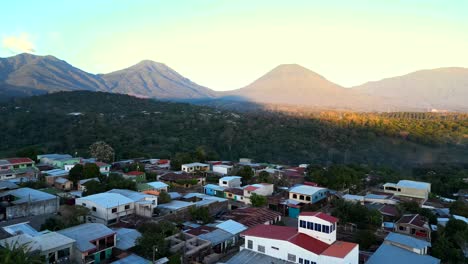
column 305, row 189
column 28, row 195
column 175, row 205
column 230, row 178
column 407, row 240
column 216, row 237
column 232, row 227
column 214, row 187
column 85, row 233
column 388, row 254
column 135, row 196
column 157, row 185
column 106, row 200
column 126, row 238
column 414, row 184
column 249, row 256
column 353, row 197
column 132, row 259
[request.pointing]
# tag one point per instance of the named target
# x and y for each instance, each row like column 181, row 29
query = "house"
column 136, row 176
column 175, row 206
column 7, row 185
column 17, row 168
column 307, row 194
column 220, row 240
column 51, row 175
column 126, row 238
column 411, row 189
column 104, row 168
column 402, row 249
column 414, row 225
column 27, row 202
column 236, row 194
column 252, row 216
column 182, row 179
column 314, row 241
column 93, row 242
column 153, row 187
column 196, row 166
column 144, row 204
column 107, row 208
column 230, row 181
column 214, row 190
column 222, row 169
column 55, row 247
column 63, row 184
column 263, row 189
column 245, row 160
column 58, row 160
column 192, row 248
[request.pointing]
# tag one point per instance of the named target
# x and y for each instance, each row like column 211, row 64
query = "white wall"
column 223, row 169
column 106, row 213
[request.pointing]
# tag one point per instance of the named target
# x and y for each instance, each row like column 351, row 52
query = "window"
column 402, row 228
column 326, row 229
column 249, row 244
column 313, row 262
column 308, row 198
column 275, row 248
column 301, row 261
column 261, row 249
column 94, row 209
column 224, row 182
column 310, row 225
column 302, row 224
column 114, row 210
column 291, row 257
column 301, row 197
column 306, row 261
column 83, row 204
column 294, row 196
column 318, row 227
column 127, row 207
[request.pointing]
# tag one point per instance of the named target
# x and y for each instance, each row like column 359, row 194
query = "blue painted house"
column 300, row 195
column 214, row 190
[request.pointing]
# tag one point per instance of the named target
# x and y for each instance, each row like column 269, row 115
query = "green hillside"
column 142, row 127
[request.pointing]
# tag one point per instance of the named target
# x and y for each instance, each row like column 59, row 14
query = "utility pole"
column 155, row 249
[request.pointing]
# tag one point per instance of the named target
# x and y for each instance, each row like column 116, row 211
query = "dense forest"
column 69, row 122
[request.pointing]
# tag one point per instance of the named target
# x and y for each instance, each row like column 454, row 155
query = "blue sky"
column 228, row 44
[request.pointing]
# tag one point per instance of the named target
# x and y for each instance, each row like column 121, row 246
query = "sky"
column 228, row 44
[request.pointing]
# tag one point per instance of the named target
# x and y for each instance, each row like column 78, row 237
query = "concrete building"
column 230, row 181
column 263, row 189
column 144, row 204
column 58, row 160
column 153, row 187
column 314, row 241
column 94, row 242
column 17, row 168
column 402, row 249
column 406, row 188
column 182, row 179
column 414, row 225
column 55, row 247
column 222, row 169
column 307, row 194
column 196, row 166
column 27, row 202
column 107, row 208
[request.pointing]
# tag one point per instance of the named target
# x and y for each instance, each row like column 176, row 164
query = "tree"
column 365, row 238
column 154, row 234
column 264, row 177
column 19, row 254
column 246, row 173
column 181, row 158
column 102, row 151
column 201, row 214
column 164, row 197
column 258, row 200
column 459, row 208
column 94, row 187
column 76, row 173
column 90, row 170
column 53, row 224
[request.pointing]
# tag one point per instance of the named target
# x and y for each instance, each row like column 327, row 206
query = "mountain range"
column 288, row 84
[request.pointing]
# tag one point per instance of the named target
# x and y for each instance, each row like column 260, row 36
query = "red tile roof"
column 20, row 160
column 390, row 210
column 250, row 188
column 236, row 191
column 289, row 234
column 101, row 164
column 413, row 219
column 134, row 173
column 321, row 215
column 339, row 249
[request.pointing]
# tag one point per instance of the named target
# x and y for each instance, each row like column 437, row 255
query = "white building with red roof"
column 313, row 242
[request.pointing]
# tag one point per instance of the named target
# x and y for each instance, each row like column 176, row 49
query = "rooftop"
column 85, row 233
column 216, row 236
column 305, row 189
column 134, row 196
column 249, row 256
column 134, row 173
column 320, row 215
column 42, row 242
column 25, row 195
column 232, row 227
column 388, row 254
column 20, row 160
column 56, row 172
column 61, row 180
column 339, row 249
column 230, row 178
column 132, row 259
column 107, row 200
column 173, row 176
column 407, row 240
column 157, row 185
column 175, row 205
column 236, row 191
column 126, row 238
column 414, row 184
column 413, row 219
column 215, row 187
column 252, row 216
column 196, row 164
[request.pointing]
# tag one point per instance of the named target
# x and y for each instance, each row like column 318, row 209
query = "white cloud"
column 17, row 44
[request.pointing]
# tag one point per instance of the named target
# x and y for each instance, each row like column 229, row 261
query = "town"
column 60, row 208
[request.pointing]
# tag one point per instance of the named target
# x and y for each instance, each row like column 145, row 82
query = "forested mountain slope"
column 143, row 127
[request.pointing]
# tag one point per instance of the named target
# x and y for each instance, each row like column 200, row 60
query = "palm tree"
column 19, row 254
